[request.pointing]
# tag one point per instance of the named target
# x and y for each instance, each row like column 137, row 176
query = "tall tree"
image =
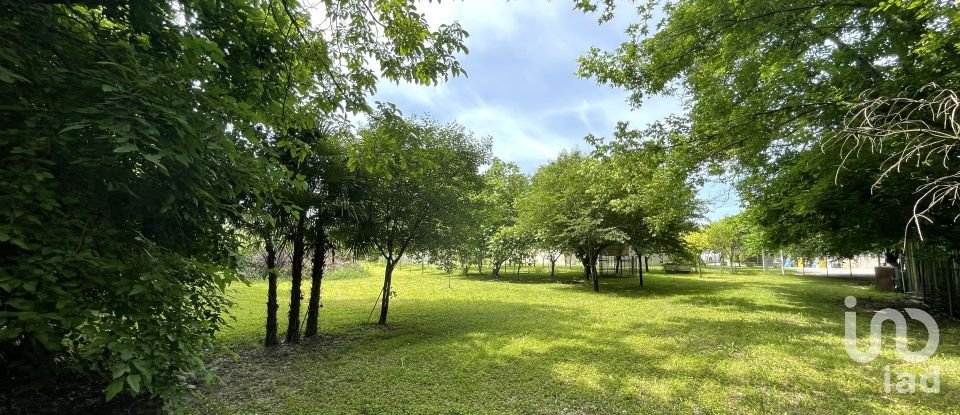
column 420, row 177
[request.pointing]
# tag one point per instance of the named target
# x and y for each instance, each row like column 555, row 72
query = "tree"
column 563, row 206
column 769, row 81
column 509, row 244
column 726, row 236
column 551, row 246
column 329, row 198
column 652, row 196
column 587, row 232
column 420, row 175
column 802, row 201
column 132, row 135
column 698, row 242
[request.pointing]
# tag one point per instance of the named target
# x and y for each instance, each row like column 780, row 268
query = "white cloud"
column 513, row 139
column 489, row 21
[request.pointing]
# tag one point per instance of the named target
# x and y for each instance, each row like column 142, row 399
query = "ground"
column 745, row 343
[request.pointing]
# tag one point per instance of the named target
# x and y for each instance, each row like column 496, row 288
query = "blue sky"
column 522, row 89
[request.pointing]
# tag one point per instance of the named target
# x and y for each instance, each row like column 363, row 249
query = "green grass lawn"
column 682, row 344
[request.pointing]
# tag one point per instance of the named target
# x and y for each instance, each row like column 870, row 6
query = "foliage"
column 653, row 198
column 420, row 179
column 131, row 132
column 768, row 82
column 726, row 236
column 509, row 244
column 562, row 209
column 495, row 208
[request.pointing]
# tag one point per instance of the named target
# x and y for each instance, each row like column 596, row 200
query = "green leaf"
column 134, row 382
column 126, row 148
column 73, row 126
column 154, row 158
column 114, row 388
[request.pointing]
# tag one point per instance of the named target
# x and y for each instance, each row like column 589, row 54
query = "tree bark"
column 782, row 271
column 592, row 256
column 732, row 255
column 646, row 263
column 496, row 269
column 316, row 278
column 553, row 266
column 272, row 306
column 296, row 279
column 385, row 303
column 699, row 260
column 639, row 265
column 586, row 267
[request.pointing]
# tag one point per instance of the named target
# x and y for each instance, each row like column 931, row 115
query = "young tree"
column 509, row 243
column 729, row 236
column 698, row 242
column 551, row 246
column 420, row 176
column 652, row 196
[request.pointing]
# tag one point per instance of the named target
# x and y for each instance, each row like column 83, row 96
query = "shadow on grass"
column 508, row 356
column 682, row 344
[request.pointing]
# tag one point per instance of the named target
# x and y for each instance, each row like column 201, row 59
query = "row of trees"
column 585, row 203
column 145, row 142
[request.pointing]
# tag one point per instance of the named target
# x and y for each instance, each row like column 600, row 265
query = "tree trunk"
column 782, row 271
column 316, row 278
column 763, row 260
column 385, row 295
column 272, row 305
column 296, row 279
column 732, row 255
column 553, row 266
column 496, row 269
column 639, row 265
column 596, row 276
column 699, row 260
column 646, row 263
column 480, row 266
column 586, row 267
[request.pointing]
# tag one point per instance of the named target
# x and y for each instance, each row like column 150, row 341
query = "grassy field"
column 472, row 345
